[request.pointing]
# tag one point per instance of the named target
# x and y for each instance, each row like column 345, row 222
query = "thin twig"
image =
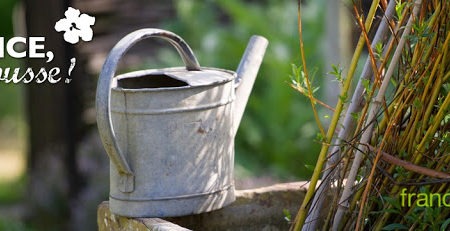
column 408, row 165
column 305, row 71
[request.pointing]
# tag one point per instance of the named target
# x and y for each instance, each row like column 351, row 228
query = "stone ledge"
column 107, row 221
column 254, row 209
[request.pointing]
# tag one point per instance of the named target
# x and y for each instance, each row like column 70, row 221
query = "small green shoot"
column 399, row 9
column 299, row 80
column 287, row 215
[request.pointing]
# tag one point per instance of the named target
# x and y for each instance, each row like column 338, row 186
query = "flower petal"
column 71, row 37
column 72, row 14
column 87, row 34
column 86, row 20
column 63, row 25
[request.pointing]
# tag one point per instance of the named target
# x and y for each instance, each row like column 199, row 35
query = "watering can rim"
column 211, row 77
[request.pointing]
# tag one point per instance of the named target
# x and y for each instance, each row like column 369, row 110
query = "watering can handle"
column 103, row 96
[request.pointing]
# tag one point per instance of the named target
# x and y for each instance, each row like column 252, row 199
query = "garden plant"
column 385, row 155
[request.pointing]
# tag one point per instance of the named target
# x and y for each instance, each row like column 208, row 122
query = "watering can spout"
column 246, row 75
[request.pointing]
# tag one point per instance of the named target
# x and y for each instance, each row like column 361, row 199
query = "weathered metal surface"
column 169, row 133
column 246, row 74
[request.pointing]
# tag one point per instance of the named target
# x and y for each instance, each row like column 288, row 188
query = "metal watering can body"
column 170, row 132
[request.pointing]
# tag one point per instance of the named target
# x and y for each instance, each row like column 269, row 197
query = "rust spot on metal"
column 201, row 130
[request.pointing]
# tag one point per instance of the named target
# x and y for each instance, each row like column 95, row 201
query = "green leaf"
column 315, row 89
column 399, row 9
column 445, row 225
column 320, row 137
column 417, row 104
column 355, row 115
column 366, row 84
column 395, row 226
column 446, row 87
column 393, row 201
column 343, row 97
column 309, row 167
column 391, row 211
column 287, row 215
column 337, row 72
column 379, row 50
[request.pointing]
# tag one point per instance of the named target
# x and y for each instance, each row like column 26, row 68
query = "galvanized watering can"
column 170, row 132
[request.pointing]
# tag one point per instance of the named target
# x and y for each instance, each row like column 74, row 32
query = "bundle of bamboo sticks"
column 390, row 161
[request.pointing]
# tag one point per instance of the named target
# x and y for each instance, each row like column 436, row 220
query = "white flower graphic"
column 76, row 26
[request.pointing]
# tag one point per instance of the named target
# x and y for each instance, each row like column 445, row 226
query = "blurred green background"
column 12, row 137
column 277, row 135
column 10, row 101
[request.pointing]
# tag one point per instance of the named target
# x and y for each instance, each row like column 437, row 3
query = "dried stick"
column 408, row 165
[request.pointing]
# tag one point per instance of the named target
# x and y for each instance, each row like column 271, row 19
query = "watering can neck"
column 246, row 75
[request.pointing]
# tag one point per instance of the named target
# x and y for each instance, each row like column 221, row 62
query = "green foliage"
column 12, row 225
column 445, row 224
column 9, row 93
column 278, row 128
column 287, row 215
column 399, row 9
column 395, row 227
column 299, row 81
column 378, row 51
column 6, row 26
column 10, row 119
column 337, row 72
column 12, row 191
